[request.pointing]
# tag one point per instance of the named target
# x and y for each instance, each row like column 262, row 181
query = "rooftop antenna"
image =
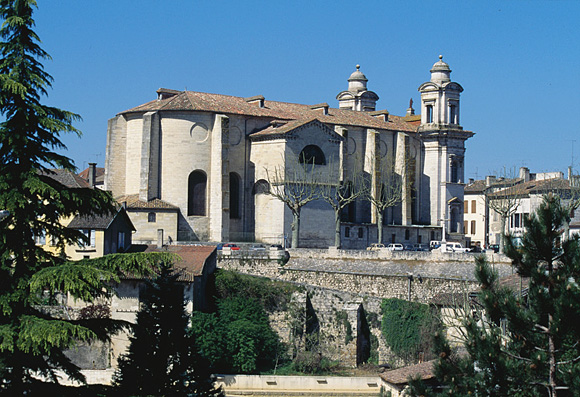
column 572, row 163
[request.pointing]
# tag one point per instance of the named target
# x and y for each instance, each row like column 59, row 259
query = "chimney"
column 471, row 180
column 92, row 174
column 489, row 180
column 159, row 238
column 258, row 99
column 570, row 173
column 525, row 174
column 321, row 107
column 382, row 115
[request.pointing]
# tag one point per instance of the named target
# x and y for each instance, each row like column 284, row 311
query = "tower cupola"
column 357, row 81
column 440, row 73
column 357, row 97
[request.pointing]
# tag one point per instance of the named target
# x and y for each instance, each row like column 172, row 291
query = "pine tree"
column 523, row 345
column 161, row 359
column 32, row 340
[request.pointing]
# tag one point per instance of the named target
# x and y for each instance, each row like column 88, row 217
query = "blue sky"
column 518, row 61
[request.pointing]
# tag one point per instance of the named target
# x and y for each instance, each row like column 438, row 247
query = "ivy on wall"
column 408, row 327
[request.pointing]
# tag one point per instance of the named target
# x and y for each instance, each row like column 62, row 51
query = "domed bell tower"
column 443, row 140
column 357, row 97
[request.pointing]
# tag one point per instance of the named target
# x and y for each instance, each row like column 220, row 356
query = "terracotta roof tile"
column 192, row 258
column 534, row 187
column 133, row 202
column 66, row 178
column 401, row 376
column 205, row 102
column 281, row 128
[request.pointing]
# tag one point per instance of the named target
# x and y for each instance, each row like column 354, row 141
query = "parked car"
column 420, row 247
column 455, row 247
column 434, row 244
column 395, row 247
column 276, row 247
column 230, row 246
column 375, row 247
column 493, row 247
column 408, row 247
column 257, row 247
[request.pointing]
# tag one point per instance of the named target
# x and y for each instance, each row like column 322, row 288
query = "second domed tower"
column 440, row 98
column 357, row 97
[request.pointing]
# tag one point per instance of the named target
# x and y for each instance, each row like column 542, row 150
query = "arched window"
column 312, row 154
column 196, row 191
column 151, row 217
column 235, row 196
column 261, row 187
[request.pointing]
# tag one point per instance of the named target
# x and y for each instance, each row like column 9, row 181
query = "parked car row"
column 399, row 247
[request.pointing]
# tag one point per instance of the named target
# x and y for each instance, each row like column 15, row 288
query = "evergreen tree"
column 523, row 346
column 32, row 340
column 161, row 360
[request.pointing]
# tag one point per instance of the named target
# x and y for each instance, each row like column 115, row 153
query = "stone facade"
column 211, row 155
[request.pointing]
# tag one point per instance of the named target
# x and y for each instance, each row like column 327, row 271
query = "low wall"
column 385, row 254
column 299, row 385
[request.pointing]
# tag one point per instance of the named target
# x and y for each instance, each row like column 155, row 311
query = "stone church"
column 197, row 165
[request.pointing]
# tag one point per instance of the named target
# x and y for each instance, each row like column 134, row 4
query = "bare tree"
column 295, row 184
column 504, row 196
column 339, row 191
column 387, row 188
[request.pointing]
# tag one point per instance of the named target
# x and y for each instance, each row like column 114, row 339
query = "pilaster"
column 219, row 183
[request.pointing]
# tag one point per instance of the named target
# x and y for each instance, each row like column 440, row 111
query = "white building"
column 207, row 156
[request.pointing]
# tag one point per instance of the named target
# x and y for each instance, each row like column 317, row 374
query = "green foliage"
column 406, row 327
column 538, row 353
column 310, row 362
column 238, row 337
column 161, row 359
column 32, row 340
column 342, row 319
column 273, row 295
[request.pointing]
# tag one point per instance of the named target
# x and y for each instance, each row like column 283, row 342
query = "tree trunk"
column 502, row 234
column 337, row 228
column 295, row 227
column 380, row 226
column 552, row 359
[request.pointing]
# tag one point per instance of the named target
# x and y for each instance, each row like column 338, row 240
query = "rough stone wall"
column 336, row 291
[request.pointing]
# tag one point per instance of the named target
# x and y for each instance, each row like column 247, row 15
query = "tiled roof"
column 401, row 376
column 97, row 222
column 534, row 187
column 133, row 202
column 66, row 178
column 475, row 187
column 280, row 128
column 192, row 258
column 205, row 102
column 99, row 177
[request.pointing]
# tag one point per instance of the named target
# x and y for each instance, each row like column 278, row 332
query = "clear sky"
column 518, row 61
